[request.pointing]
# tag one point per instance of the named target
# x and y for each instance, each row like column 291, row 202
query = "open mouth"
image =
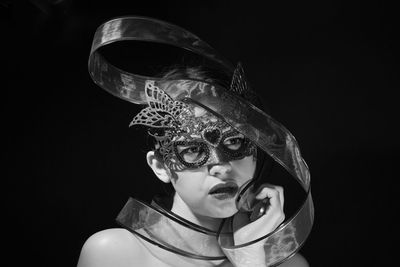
column 224, row 190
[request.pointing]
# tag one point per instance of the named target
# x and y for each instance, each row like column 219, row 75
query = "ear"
column 158, row 167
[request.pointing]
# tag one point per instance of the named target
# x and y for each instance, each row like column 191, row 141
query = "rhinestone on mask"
column 212, row 135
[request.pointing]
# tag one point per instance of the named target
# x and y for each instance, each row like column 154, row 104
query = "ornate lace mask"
column 187, row 135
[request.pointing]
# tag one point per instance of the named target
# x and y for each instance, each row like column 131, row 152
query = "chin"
column 223, row 211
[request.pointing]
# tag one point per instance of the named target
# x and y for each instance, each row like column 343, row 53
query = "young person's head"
column 208, row 161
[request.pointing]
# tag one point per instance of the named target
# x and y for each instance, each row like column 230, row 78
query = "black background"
column 328, row 71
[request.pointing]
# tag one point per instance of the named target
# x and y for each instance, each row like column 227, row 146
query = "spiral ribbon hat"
column 233, row 105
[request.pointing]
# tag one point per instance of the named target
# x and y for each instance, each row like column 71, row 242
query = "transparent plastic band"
column 258, row 126
column 168, row 231
column 268, row 134
column 274, row 248
column 130, row 86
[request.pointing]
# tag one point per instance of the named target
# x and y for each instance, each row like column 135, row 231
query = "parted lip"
column 224, row 188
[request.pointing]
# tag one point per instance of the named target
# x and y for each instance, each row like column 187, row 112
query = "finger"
column 276, row 187
column 272, row 194
column 281, row 195
column 261, row 226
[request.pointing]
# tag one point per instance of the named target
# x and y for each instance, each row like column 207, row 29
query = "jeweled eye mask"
column 211, row 149
column 190, row 137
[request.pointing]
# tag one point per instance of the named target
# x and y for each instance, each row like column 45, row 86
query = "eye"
column 191, row 154
column 234, row 142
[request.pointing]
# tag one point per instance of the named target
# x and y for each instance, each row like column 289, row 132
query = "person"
column 210, row 146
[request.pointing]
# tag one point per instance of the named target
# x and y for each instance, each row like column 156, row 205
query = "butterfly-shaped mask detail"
column 162, row 112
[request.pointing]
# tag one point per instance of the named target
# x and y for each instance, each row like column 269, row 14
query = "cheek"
column 245, row 167
column 190, row 185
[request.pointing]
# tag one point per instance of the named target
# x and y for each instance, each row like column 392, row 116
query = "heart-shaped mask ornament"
column 212, row 136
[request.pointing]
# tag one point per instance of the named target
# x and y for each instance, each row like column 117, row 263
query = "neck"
column 180, row 208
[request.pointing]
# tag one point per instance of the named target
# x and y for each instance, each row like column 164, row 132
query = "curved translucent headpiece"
column 268, row 134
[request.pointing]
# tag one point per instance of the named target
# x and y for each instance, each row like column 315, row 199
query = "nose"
column 220, row 170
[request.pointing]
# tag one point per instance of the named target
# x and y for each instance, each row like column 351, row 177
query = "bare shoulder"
column 296, row 260
column 112, row 247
